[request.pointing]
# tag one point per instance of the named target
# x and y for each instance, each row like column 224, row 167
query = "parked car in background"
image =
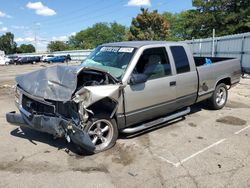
column 44, row 58
column 4, row 60
column 13, row 59
column 36, row 58
column 56, row 59
column 28, row 60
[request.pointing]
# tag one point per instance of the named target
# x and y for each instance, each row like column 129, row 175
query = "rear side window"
column 180, row 59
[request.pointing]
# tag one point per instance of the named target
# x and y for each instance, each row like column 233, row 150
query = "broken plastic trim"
column 53, row 125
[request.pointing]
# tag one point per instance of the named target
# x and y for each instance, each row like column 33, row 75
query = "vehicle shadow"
column 61, row 143
column 36, row 136
column 194, row 109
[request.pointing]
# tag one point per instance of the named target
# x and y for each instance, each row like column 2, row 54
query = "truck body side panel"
column 210, row 75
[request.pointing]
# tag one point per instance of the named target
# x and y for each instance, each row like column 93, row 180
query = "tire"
column 219, row 98
column 98, row 132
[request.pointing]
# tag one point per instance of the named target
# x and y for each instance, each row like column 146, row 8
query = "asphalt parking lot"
column 205, row 149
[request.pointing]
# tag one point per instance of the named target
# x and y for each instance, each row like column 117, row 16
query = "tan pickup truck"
column 121, row 87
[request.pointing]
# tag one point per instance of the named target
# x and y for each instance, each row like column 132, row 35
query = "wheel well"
column 106, row 105
column 226, row 81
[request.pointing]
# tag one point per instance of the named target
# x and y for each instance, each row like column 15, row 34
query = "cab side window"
column 154, row 63
column 180, row 59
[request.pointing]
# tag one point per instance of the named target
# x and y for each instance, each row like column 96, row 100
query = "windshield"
column 113, row 60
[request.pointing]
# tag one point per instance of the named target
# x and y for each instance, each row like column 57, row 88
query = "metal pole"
column 200, row 47
column 213, row 42
column 242, row 53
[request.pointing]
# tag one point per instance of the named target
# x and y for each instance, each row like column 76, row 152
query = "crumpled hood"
column 54, row 83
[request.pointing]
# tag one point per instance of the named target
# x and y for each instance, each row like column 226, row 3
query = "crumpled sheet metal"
column 54, row 83
column 91, row 94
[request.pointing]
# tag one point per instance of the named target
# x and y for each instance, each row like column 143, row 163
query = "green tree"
column 149, row 26
column 26, row 48
column 98, row 34
column 7, row 43
column 54, row 46
column 184, row 25
column 225, row 16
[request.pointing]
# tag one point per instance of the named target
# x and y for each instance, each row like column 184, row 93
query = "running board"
column 156, row 122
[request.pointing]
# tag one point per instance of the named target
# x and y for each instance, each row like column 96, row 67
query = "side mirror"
column 138, row 79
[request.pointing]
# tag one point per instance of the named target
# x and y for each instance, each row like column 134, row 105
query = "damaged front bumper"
column 56, row 126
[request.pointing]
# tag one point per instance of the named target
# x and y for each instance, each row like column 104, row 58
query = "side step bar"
column 156, row 122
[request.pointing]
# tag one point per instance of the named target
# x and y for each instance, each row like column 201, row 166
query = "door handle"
column 172, row 84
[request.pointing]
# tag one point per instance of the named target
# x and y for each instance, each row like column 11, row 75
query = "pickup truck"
column 122, row 87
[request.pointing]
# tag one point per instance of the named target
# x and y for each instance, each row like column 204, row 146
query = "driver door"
column 155, row 97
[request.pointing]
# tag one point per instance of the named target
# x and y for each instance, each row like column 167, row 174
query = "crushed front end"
column 45, row 116
column 60, row 100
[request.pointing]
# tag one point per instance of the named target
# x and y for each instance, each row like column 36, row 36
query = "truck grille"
column 33, row 106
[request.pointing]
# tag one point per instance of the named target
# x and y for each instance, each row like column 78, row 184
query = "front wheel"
column 102, row 131
column 219, row 98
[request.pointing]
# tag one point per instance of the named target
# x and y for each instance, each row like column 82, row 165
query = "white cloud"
column 26, row 39
column 3, row 29
column 63, row 37
column 4, row 15
column 139, row 3
column 19, row 27
column 1, row 23
column 19, row 39
column 41, row 9
column 60, row 38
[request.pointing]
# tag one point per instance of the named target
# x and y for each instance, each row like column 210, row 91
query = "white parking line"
column 238, row 132
column 191, row 156
column 199, row 152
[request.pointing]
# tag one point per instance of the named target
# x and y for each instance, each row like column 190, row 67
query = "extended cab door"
column 156, row 96
column 186, row 75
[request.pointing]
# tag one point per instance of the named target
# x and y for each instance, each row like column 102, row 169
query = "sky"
column 46, row 20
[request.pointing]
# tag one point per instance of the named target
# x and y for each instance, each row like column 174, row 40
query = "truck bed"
column 211, row 73
column 199, row 61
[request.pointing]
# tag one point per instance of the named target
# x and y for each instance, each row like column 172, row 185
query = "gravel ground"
column 206, row 149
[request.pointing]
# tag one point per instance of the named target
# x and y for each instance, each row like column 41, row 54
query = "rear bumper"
column 52, row 125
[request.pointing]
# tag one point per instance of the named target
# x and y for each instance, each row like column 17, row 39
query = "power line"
column 67, row 13
column 96, row 16
column 79, row 16
column 68, row 23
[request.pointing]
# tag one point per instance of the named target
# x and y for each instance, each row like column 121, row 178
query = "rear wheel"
column 219, row 98
column 102, row 131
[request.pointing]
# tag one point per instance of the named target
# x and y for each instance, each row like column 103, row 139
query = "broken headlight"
column 17, row 96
